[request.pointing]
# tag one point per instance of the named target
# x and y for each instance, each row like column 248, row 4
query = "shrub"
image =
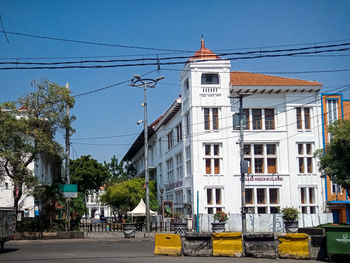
column 290, row 214
column 220, row 216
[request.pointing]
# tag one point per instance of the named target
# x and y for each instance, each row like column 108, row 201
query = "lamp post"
column 145, row 83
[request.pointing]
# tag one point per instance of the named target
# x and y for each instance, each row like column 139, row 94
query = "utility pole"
column 137, row 81
column 67, row 162
column 241, row 144
column 243, row 163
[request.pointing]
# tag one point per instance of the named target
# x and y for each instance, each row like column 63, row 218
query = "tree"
column 88, row 174
column 334, row 159
column 126, row 195
column 27, row 130
column 119, row 171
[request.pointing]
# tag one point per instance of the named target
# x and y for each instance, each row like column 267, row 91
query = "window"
column 273, row 194
column 188, row 161
column 188, row 125
column 335, row 188
column 257, row 116
column 261, row 195
column 260, row 156
column 210, row 78
column 257, row 124
column 179, row 133
column 170, row 170
column 303, row 117
column 269, row 119
column 215, row 119
column 186, row 84
column 206, row 119
column 218, row 196
column 214, row 199
column 170, row 140
column 160, row 146
column 212, row 158
column 249, row 196
column 209, row 196
column 332, row 111
column 6, row 186
column 305, row 158
column 263, row 200
column 308, row 200
column 179, row 166
column 160, row 175
column 211, row 119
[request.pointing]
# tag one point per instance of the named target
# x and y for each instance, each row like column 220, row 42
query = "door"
column 336, row 217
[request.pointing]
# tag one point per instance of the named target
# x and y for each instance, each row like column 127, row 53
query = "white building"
column 46, row 174
column 94, row 206
column 195, row 148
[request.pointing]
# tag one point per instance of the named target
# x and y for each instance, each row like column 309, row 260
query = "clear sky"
column 175, row 25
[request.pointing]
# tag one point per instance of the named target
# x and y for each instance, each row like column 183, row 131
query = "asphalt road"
column 89, row 250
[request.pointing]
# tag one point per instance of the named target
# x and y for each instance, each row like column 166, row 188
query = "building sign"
column 69, row 190
column 264, row 179
column 173, row 186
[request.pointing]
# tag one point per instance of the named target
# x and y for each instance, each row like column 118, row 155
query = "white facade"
column 197, row 160
column 41, row 169
column 95, row 208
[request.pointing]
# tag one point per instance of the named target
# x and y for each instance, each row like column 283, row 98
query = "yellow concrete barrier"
column 294, row 245
column 167, row 244
column 227, row 244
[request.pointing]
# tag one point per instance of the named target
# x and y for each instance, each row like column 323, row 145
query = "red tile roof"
column 204, row 54
column 238, row 78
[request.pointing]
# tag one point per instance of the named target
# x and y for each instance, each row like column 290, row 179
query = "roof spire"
column 202, row 43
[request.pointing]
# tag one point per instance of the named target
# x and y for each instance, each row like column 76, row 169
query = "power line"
column 175, row 51
column 90, row 42
column 157, row 63
column 109, row 86
column 249, row 132
column 259, row 52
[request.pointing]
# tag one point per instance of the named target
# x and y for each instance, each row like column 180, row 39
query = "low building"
column 335, row 107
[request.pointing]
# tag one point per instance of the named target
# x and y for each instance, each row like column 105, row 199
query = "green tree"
column 88, row 174
column 334, row 159
column 27, row 130
column 126, row 195
column 119, row 171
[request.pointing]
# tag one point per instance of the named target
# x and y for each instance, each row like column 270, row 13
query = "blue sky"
column 158, row 24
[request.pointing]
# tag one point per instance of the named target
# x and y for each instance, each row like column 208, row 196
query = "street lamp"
column 145, row 83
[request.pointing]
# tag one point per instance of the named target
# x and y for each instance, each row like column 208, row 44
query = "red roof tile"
column 238, row 78
column 204, row 54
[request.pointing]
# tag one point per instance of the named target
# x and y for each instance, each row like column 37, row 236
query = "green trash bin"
column 337, row 239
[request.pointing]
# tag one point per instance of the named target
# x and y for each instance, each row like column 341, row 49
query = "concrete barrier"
column 167, row 244
column 198, row 244
column 294, row 245
column 260, row 245
column 227, row 244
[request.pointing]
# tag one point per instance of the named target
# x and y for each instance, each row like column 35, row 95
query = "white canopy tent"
column 140, row 210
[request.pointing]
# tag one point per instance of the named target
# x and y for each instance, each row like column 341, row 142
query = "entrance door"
column 336, row 217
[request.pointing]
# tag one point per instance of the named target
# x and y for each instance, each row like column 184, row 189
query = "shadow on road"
column 8, row 250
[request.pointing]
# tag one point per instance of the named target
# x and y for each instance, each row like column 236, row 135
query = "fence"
column 118, row 227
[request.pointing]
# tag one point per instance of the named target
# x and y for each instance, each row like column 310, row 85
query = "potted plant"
column 290, row 219
column 129, row 228
column 220, row 218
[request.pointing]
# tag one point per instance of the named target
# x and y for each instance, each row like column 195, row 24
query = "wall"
column 263, row 223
